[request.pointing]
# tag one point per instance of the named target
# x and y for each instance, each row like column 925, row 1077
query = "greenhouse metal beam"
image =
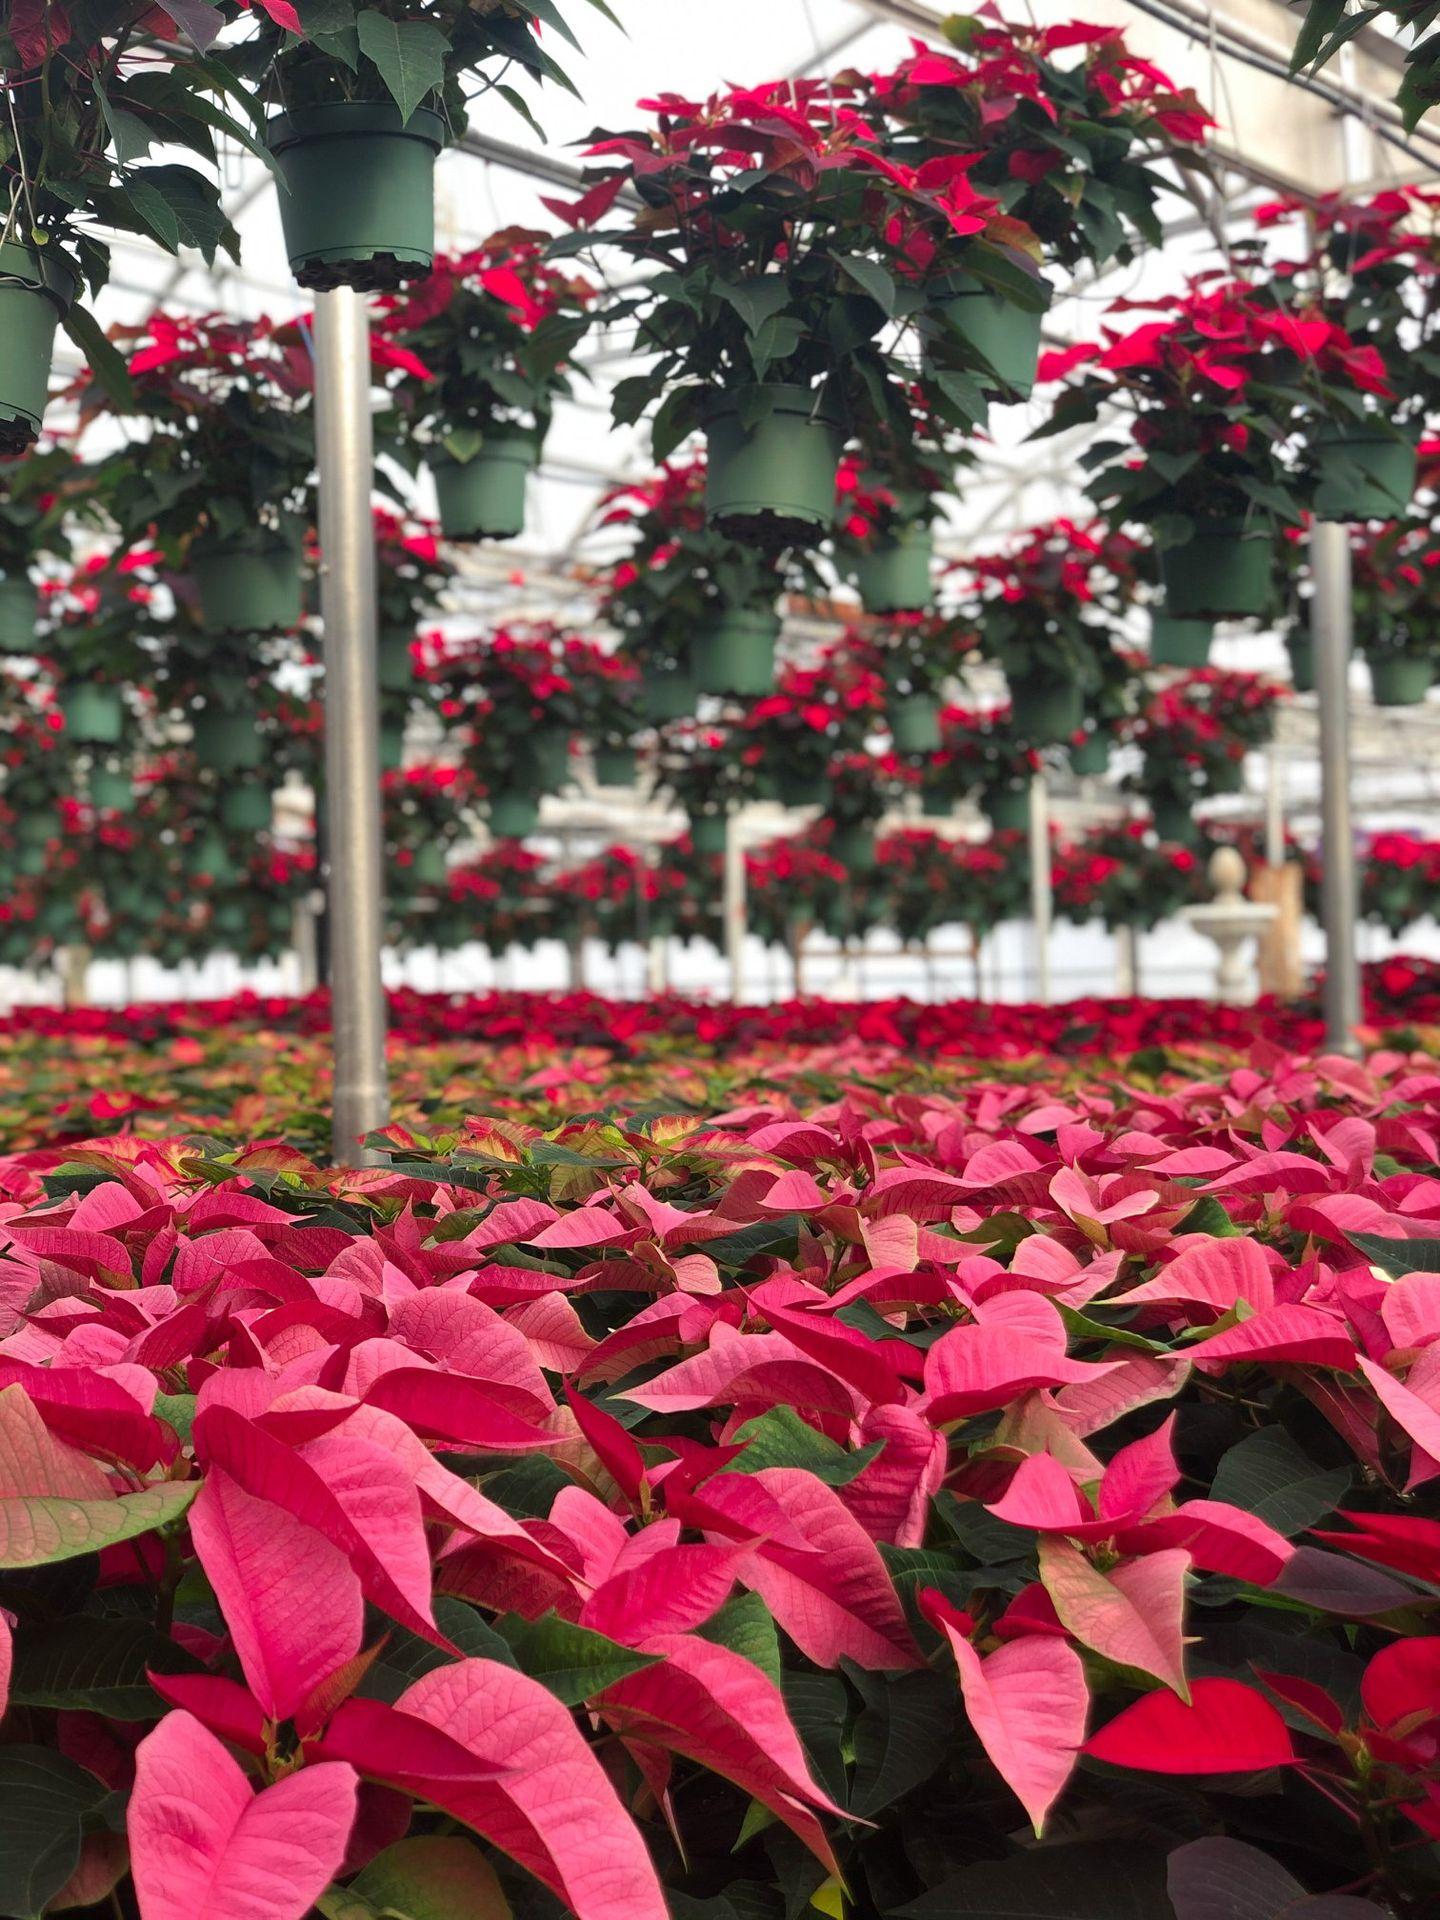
column 1332, row 619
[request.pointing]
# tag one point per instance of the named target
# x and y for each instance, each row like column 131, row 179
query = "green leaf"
column 572, row 1661
column 904, row 1734
column 1090, row 1881
column 547, row 11
column 409, row 56
column 85, row 1664
column 758, row 300
column 871, row 276
column 407, row 1656
column 746, row 1626
column 432, row 1877
column 181, row 208
column 1270, row 1476
column 1398, row 1257
column 177, row 1410
column 108, row 366
column 818, row 1704
column 44, row 1802
column 129, row 135
column 780, row 1438
column 37, row 1530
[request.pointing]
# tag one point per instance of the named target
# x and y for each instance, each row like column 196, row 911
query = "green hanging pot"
column 1227, row 776
column 209, row 856
column 1179, row 643
column 546, row 764
column 111, row 789
column 35, row 829
column 773, row 454
column 709, row 832
column 93, row 714
column 229, row 918
column 1300, row 646
column 246, row 807
column 357, row 192
column 1003, row 337
column 1221, row 573
column 668, row 692
column 796, row 788
column 735, row 653
column 395, row 668
column 1092, row 757
column 1006, row 808
column 483, row 498
column 854, row 848
column 914, row 720
column 32, row 861
column 228, row 742
column 1399, row 680
column 936, row 803
column 392, row 746
column 37, row 289
column 513, row 815
column 19, row 612
column 1047, row 712
column 1362, row 473
column 616, row 766
column 248, row 584
column 1174, row 820
column 893, row 575
column 428, row 868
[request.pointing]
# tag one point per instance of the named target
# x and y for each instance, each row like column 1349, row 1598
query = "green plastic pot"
column 37, row 290
column 392, row 746
column 616, row 766
column 1004, row 337
column 914, row 720
column 936, row 803
column 428, row 868
column 773, row 453
column 1301, row 649
column 709, row 832
column 1047, row 712
column 35, row 829
column 1179, row 643
column 246, row 807
column 796, row 788
column 93, row 714
column 228, row 742
column 1092, row 756
column 209, row 856
column 1228, row 776
column 668, row 692
column 513, row 815
column 547, row 760
column 32, row 861
column 111, row 789
column 483, row 498
column 1006, row 808
column 19, row 611
column 1362, row 473
column 357, row 192
column 1399, row 680
column 248, row 584
column 893, row 576
column 395, row 668
column 854, row 848
column 735, row 653
column 1221, row 573
column 1174, row 820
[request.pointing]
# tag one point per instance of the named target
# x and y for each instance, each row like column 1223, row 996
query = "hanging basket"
column 735, row 653
column 94, row 715
column 19, row 611
column 246, row 807
column 773, row 454
column 357, row 192
column 1227, row 776
column 668, row 692
column 1174, row 820
column 37, row 289
column 616, row 766
column 1091, row 759
column 513, row 815
column 248, row 584
column 546, row 767
column 1004, row 337
column 1363, row 473
column 796, row 788
column 1179, row 643
column 1221, row 573
column 709, row 832
column 1006, row 808
column 111, row 789
column 936, row 803
column 1301, row 648
column 392, row 746
column 1047, row 712
column 209, row 857
column 1399, row 680
column 854, row 848
column 914, row 720
column 428, row 868
column 228, row 742
column 483, row 498
column 893, row 575
column 395, row 667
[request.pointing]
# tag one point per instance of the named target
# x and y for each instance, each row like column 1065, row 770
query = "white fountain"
column 1234, row 924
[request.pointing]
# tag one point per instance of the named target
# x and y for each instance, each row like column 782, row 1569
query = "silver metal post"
column 345, row 444
column 1332, row 622
column 734, row 906
column 1041, row 900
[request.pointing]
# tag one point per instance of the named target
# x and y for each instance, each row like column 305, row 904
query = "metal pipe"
column 1041, row 898
column 344, row 440
column 734, row 906
column 1332, row 619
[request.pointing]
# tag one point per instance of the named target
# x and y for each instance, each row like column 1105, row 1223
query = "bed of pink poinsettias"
column 707, row 1515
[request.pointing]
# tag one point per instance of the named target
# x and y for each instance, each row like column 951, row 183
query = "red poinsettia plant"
column 1047, row 604
column 816, row 712
column 1121, row 876
column 1194, row 735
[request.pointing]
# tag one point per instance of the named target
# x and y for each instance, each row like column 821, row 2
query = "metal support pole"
column 734, row 906
column 1041, row 900
column 1332, row 621
column 345, row 444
